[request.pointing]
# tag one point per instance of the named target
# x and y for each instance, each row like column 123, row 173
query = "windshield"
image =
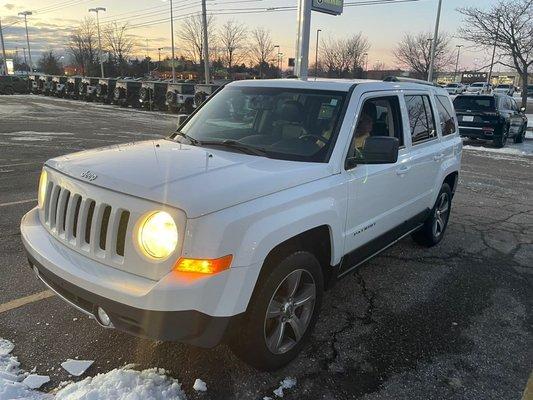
column 290, row 124
column 477, row 84
column 503, row 86
column 474, row 103
column 452, row 85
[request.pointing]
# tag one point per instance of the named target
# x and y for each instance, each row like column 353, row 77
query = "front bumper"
column 172, row 309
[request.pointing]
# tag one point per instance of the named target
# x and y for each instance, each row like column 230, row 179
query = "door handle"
column 438, row 157
column 403, row 170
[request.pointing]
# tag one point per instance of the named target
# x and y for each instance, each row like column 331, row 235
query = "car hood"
column 194, row 179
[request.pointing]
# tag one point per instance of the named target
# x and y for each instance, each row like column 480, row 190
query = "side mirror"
column 181, row 120
column 376, row 150
column 522, row 109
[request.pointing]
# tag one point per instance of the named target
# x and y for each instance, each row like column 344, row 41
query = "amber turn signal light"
column 204, row 266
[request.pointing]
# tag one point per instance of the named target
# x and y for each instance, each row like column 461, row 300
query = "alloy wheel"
column 441, row 214
column 290, row 311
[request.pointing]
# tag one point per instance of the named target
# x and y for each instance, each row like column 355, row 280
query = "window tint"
column 445, row 110
column 379, row 116
column 474, row 103
column 421, row 118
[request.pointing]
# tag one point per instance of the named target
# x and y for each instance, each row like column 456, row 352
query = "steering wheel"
column 317, row 137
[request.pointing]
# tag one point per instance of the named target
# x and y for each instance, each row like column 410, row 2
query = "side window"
column 421, row 118
column 447, row 123
column 379, row 116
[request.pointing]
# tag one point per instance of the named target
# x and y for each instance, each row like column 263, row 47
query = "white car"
column 507, row 90
column 479, row 88
column 232, row 228
column 455, row 88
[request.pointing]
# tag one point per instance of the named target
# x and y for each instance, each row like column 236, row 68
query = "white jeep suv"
column 233, row 227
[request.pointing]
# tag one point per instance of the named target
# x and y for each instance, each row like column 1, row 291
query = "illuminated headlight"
column 43, row 180
column 158, row 235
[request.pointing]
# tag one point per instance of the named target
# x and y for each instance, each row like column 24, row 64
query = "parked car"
column 105, row 90
column 45, row 85
column 11, row 84
column 180, row 97
column 152, row 95
column 87, row 88
column 490, row 117
column 33, row 83
column 507, row 90
column 233, row 226
column 72, row 87
column 58, row 85
column 202, row 92
column 455, row 88
column 479, row 88
column 126, row 92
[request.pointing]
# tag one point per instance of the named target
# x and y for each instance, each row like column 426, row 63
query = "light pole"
column 434, row 44
column 205, row 43
column 280, row 64
column 277, row 54
column 3, row 48
column 366, row 64
column 489, row 78
column 25, row 61
column 457, row 62
column 25, row 15
column 172, row 39
column 316, row 52
column 97, row 10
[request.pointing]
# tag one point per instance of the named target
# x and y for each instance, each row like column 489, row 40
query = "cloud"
column 9, row 6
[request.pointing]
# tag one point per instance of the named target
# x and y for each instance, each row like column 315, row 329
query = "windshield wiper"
column 193, row 141
column 233, row 144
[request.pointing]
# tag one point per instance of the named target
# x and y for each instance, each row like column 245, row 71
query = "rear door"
column 425, row 150
column 516, row 117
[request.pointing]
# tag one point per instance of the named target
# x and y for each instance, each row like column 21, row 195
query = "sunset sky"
column 383, row 25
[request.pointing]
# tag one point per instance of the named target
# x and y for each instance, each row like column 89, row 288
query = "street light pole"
column 457, row 62
column 434, row 44
column 206, row 43
column 494, row 52
column 3, row 47
column 172, row 37
column 302, row 50
column 25, row 61
column 97, row 10
column 25, row 15
column 277, row 54
column 316, row 52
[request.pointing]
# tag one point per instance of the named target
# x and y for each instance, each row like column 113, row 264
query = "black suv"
column 490, row 117
column 10, row 84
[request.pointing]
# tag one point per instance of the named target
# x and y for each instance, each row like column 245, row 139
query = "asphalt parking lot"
column 452, row 322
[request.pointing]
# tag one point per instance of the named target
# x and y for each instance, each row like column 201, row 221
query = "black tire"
column 9, row 90
column 249, row 342
column 501, row 141
column 427, row 235
column 520, row 137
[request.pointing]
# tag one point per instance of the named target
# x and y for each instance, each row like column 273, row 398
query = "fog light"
column 103, row 318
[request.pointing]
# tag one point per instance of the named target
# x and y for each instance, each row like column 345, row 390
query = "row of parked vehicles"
column 181, row 96
column 484, row 88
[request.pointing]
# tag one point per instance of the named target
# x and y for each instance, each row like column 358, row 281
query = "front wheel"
column 282, row 312
column 435, row 225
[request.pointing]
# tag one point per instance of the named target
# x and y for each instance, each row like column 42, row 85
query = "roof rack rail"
column 408, row 80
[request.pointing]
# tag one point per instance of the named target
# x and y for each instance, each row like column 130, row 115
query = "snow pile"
column 76, row 367
column 35, row 381
column 200, row 385
column 287, row 383
column 11, row 376
column 124, row 384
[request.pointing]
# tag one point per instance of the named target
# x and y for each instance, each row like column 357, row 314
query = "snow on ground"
column 529, row 121
column 200, row 385
column 119, row 384
column 510, row 149
column 287, row 383
column 76, row 367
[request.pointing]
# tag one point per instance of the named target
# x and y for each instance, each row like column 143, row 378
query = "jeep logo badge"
column 90, row 176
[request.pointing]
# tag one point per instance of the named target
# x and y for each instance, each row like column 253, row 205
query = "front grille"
column 95, row 228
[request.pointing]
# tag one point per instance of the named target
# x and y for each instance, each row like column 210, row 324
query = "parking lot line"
column 11, row 305
column 18, row 164
column 12, row 203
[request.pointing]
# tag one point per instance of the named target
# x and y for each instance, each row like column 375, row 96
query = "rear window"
column 503, row 86
column 477, row 84
column 474, row 103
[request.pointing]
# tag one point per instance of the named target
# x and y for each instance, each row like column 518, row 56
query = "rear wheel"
column 501, row 141
column 282, row 312
column 435, row 225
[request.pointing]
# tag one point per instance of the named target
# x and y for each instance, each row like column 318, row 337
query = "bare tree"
column 508, row 25
column 83, row 46
column 232, row 36
column 50, row 63
column 414, row 52
column 192, row 35
column 344, row 57
column 118, row 43
column 261, row 48
column 379, row 66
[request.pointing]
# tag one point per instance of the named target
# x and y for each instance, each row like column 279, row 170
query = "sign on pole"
column 332, row 7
